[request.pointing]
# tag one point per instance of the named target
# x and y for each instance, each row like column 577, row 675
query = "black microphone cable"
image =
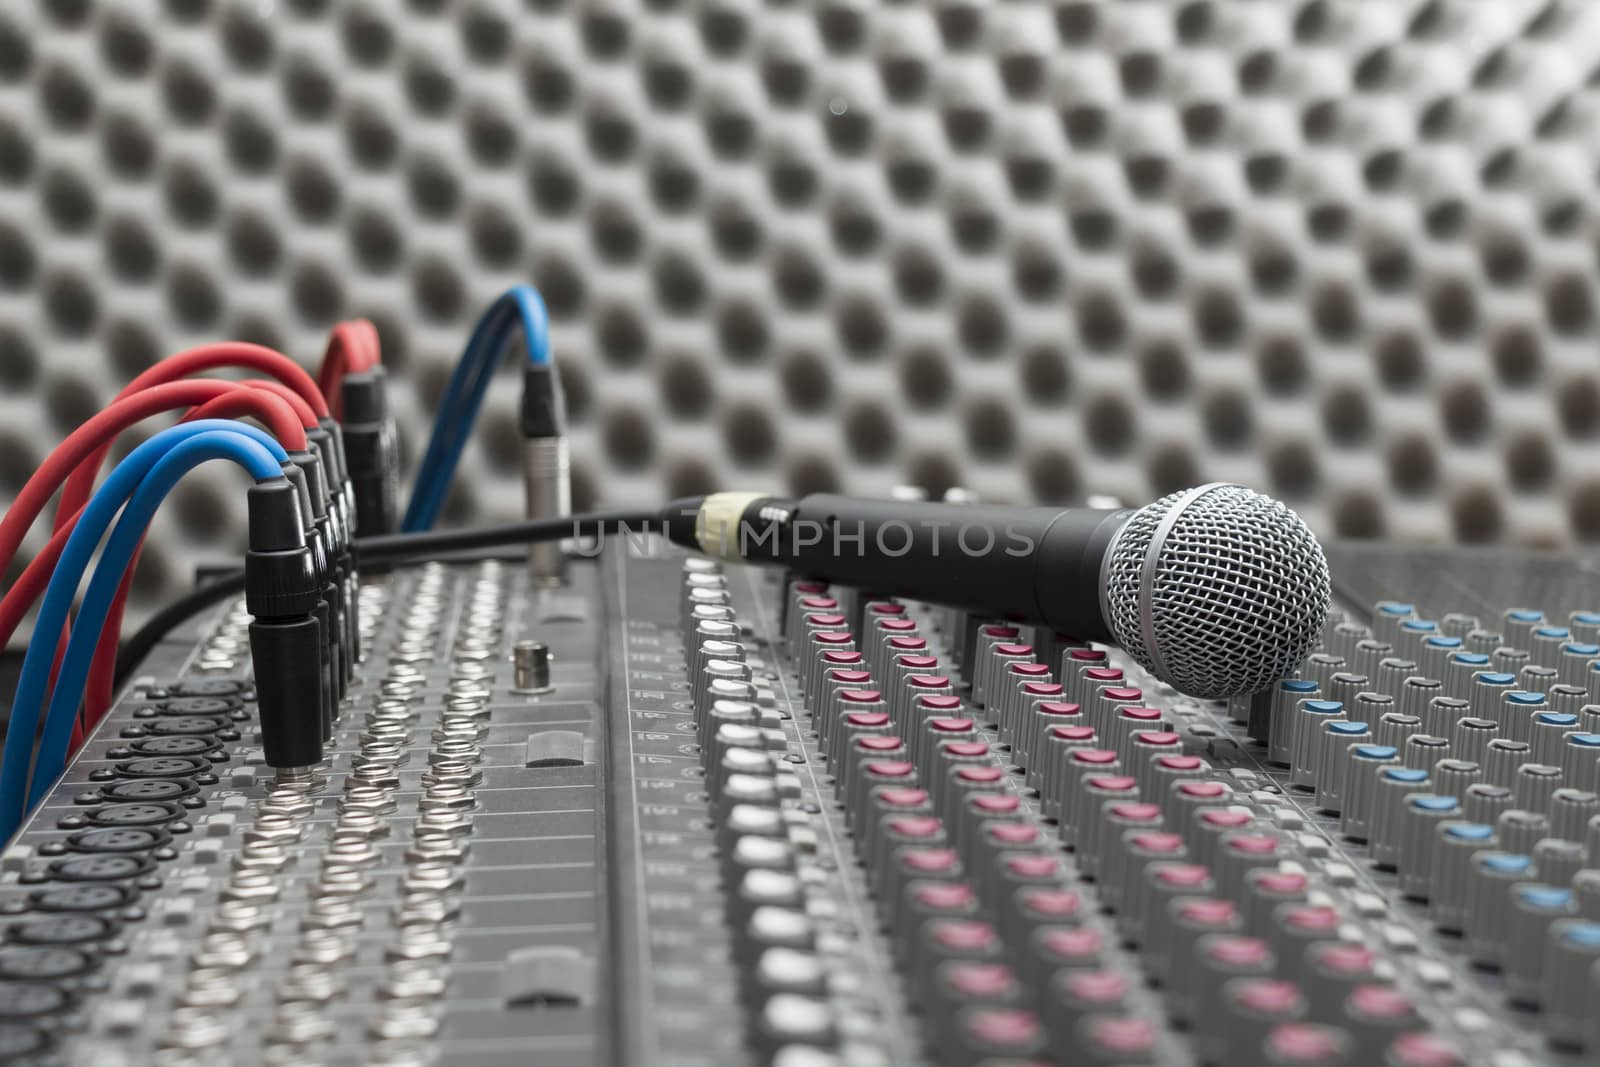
column 385, row 551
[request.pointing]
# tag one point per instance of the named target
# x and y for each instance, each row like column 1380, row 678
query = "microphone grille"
column 1219, row 591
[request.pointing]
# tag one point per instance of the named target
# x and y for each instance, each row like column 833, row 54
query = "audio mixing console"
column 681, row 813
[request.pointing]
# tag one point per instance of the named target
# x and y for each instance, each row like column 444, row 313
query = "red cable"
column 352, row 349
column 99, row 692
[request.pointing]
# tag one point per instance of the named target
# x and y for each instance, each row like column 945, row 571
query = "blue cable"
column 464, row 393
column 114, row 562
column 250, row 446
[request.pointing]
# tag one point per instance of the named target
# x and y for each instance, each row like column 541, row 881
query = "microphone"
column 1218, row 591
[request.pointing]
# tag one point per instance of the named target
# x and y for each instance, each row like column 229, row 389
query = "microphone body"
column 1217, row 590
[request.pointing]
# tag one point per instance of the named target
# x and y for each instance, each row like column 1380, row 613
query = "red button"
column 1160, row 739
column 980, row 775
column 1103, row 675
column 890, row 769
column 1157, row 841
column 1030, row 669
column 1073, row 733
column 878, row 744
column 812, row 589
column 860, row 696
column 1000, row 632
column 1423, row 1050
column 1343, row 958
column 1123, row 1035
column 1268, row 997
column 1304, row 1043
column 1034, row 868
column 1100, row 988
column 842, row 655
column 827, row 620
column 1004, row 1029
column 1121, row 692
column 946, row 896
column 1013, row 833
column 916, row 826
column 831, row 637
column 1059, row 707
column 902, row 798
column 1254, row 844
column 1014, row 650
column 1380, row 1002
column 847, row 677
column 819, row 603
column 966, row 749
column 868, row 719
column 1282, row 882
column 1051, row 903
column 950, row 726
column 1204, row 790
column 1072, row 943
column 1042, row 689
column 988, row 981
column 886, row 607
column 1141, row 714
column 898, row 626
column 1112, row 783
column 1239, row 951
column 1226, row 818
column 995, row 803
column 1094, row 755
column 1087, row 655
column 1312, row 918
column 964, row 935
column 918, row 663
column 1209, row 912
column 908, row 644
column 1136, row 812
column 1184, row 765
column 927, row 681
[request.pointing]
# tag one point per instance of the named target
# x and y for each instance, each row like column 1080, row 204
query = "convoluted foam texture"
column 1340, row 250
column 1219, row 590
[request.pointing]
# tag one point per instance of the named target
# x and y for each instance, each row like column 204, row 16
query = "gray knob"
column 1455, row 844
column 1518, row 831
column 1419, row 827
column 1484, row 801
column 1285, row 701
column 1422, row 751
column 1443, row 713
column 1547, row 733
column 1488, row 694
column 1580, row 760
column 1571, row 955
column 1393, row 786
column 1573, row 663
column 1453, row 777
column 1328, row 760
column 1486, row 919
column 1533, row 909
column 1559, row 861
column 1394, row 727
column 1150, row 914
column 1458, row 624
column 1311, row 718
column 1362, row 763
column 1501, row 758
column 1239, row 1001
column 1517, row 710
column 1567, row 699
column 1570, row 812
column 1460, row 670
column 1470, row 737
column 1535, row 784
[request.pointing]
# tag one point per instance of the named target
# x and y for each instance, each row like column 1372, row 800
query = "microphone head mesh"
column 1218, row 591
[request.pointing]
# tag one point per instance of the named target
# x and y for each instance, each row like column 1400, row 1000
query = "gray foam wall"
column 1342, row 251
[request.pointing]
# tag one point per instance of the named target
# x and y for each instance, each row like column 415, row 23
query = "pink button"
column 964, row 935
column 1239, row 951
column 946, row 896
column 1122, row 692
column 950, row 726
column 1058, row 707
column 1094, row 755
column 1379, row 1002
column 879, row 744
column 1254, row 844
column 1159, row 739
column 1158, row 842
column 1268, row 997
column 899, row 797
column 827, row 620
column 1103, row 675
column 1014, row 650
column 1000, row 632
column 1073, row 733
column 966, row 749
column 890, row 769
column 1311, row 917
column 1123, row 1035
column 995, row 803
column 1183, row 875
column 1013, row 833
column 930, row 860
column 832, row 637
column 1136, row 812
column 1051, row 903
column 988, row 981
column 1284, row 882
column 940, row 702
column 1100, row 988
column 927, row 681
column 897, row 626
column 860, row 696
column 1203, row 790
column 1112, row 783
column 916, row 826
column 1034, row 868
column 1030, row 670
column 1184, row 765
column 1305, row 1043
column 886, row 607
column 1004, row 1029
column 908, row 644
column 1141, row 714
column 1042, row 689
column 979, row 775
column 1072, row 943
column 811, row 589
column 819, row 603
column 918, row 663
column 842, row 655
column 1226, row 818
column 1209, row 912
column 844, row 677
column 1086, row 655
column 868, row 719
column 1344, row 959
column 1421, row 1049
